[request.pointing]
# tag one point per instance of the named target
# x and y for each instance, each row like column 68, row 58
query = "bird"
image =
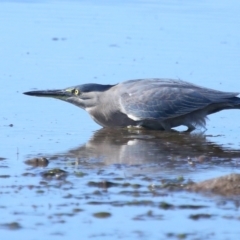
column 154, row 103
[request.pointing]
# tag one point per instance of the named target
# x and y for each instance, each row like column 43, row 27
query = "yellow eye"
column 76, row 91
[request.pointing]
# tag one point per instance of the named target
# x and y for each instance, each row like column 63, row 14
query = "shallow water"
column 118, row 183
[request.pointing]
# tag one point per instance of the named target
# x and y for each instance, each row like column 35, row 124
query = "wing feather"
column 166, row 98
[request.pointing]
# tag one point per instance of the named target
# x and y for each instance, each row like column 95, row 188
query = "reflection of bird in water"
column 151, row 103
column 163, row 151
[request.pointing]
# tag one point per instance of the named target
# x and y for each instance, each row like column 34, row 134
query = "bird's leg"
column 190, row 127
column 166, row 126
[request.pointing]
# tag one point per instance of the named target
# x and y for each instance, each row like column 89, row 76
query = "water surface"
column 118, row 183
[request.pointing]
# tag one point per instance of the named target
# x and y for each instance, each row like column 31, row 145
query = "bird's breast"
column 110, row 119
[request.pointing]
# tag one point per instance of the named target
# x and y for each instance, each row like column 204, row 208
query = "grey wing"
column 164, row 98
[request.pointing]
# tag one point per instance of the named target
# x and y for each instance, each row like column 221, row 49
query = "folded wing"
column 165, row 98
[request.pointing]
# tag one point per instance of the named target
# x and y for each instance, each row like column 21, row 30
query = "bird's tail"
column 229, row 103
column 235, row 101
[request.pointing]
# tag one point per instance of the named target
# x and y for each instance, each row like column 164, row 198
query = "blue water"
column 56, row 44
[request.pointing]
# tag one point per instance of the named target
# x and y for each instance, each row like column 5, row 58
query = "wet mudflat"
column 62, row 176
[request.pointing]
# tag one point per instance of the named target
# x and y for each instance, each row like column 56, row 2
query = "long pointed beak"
column 49, row 93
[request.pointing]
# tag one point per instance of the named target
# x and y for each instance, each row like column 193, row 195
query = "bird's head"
column 84, row 96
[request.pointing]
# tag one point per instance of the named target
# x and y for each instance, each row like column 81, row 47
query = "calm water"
column 116, row 183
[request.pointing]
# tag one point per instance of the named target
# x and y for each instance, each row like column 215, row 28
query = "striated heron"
column 151, row 103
